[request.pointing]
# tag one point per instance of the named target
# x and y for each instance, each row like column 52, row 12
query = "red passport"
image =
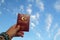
column 23, row 20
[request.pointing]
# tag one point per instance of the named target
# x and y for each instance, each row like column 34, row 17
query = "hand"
column 14, row 31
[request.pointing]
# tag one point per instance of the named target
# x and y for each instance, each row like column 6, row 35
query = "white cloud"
column 48, row 22
column 29, row 10
column 37, row 15
column 57, row 34
column 33, row 17
column 39, row 36
column 54, row 27
column 30, row 5
column 37, row 18
column 2, row 1
column 34, row 20
column 15, row 11
column 40, row 4
column 21, row 7
column 18, row 10
column 57, row 6
column 32, row 25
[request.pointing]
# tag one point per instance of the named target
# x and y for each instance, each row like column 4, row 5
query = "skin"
column 14, row 32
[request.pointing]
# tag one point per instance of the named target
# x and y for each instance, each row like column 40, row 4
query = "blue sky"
column 44, row 18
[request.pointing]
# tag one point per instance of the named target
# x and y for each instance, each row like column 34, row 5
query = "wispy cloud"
column 36, row 16
column 2, row 1
column 21, row 8
column 40, row 4
column 57, row 34
column 57, row 5
column 18, row 10
column 32, row 25
column 34, row 20
column 38, row 34
column 30, row 5
column 33, row 17
column 54, row 27
column 39, row 37
column 48, row 22
column 29, row 10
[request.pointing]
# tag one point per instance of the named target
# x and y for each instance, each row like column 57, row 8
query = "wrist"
column 1, row 38
column 10, row 36
column 5, row 35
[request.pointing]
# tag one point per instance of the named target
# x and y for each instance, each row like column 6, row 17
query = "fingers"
column 21, row 33
column 17, row 32
column 18, row 27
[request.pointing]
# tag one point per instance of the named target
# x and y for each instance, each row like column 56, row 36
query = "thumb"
column 18, row 27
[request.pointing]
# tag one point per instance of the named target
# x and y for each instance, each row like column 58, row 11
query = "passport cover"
column 23, row 20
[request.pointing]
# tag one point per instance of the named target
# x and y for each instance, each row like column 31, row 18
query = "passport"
column 23, row 20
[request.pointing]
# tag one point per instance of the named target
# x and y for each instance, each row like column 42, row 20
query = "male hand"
column 14, row 31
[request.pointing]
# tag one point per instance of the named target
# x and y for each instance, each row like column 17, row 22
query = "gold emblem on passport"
column 23, row 20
